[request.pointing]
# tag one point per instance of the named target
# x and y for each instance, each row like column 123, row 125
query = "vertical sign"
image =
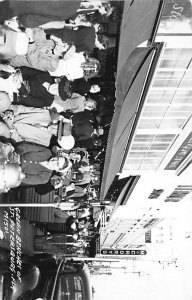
column 98, row 247
column 148, row 236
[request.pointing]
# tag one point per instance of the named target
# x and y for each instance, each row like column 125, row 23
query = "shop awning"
column 139, row 24
column 126, row 106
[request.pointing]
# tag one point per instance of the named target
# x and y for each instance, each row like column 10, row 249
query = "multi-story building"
column 151, row 140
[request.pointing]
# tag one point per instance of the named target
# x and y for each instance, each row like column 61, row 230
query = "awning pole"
column 55, row 205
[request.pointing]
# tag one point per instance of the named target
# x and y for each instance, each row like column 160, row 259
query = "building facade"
column 158, row 155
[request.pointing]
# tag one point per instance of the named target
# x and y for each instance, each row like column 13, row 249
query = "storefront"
column 159, row 142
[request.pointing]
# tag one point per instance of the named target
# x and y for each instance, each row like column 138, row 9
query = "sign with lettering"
column 181, row 154
column 98, row 247
column 151, row 223
column 176, row 12
column 123, row 252
column 179, row 193
column 148, row 236
column 156, row 193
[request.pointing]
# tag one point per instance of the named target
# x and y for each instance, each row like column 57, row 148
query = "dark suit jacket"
column 83, row 38
column 82, row 125
column 31, row 155
column 80, row 86
column 34, row 13
column 38, row 96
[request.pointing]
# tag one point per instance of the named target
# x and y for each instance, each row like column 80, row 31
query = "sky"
column 159, row 285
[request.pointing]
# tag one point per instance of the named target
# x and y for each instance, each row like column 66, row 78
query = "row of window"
column 167, row 109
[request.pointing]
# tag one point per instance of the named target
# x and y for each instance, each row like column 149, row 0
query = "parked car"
column 45, row 278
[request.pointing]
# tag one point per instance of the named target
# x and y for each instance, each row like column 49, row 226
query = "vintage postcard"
column 95, row 149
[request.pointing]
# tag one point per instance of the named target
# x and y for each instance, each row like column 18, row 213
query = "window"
column 160, row 96
column 174, row 63
column 183, row 96
column 177, row 53
column 167, row 109
column 77, row 283
column 69, row 287
column 78, row 296
column 147, row 151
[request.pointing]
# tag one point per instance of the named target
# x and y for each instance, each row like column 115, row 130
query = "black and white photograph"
column 95, row 150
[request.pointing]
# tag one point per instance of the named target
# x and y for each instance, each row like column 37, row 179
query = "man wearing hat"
column 38, row 163
column 75, row 104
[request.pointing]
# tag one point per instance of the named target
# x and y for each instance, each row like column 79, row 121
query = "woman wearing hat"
column 32, row 87
column 10, row 80
column 75, row 104
column 77, row 66
column 58, row 60
column 35, row 125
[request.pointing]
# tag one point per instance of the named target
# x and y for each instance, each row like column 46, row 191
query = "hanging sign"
column 123, row 252
column 148, row 236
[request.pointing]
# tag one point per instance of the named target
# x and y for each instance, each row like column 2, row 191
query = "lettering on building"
column 123, row 252
column 148, row 236
column 179, row 193
column 156, row 193
column 98, row 247
column 181, row 154
column 176, row 10
column 151, row 223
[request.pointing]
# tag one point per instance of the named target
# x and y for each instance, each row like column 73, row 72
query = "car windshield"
column 69, row 288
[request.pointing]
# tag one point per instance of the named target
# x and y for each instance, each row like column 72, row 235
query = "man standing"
column 38, row 164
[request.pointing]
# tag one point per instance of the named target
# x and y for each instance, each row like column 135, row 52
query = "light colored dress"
column 40, row 56
column 74, row 104
column 30, row 124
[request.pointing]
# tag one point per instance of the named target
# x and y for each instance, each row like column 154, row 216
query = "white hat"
column 95, row 88
column 5, row 102
column 4, row 130
column 16, row 43
column 67, row 142
column 65, row 139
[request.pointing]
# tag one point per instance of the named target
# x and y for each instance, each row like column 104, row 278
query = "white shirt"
column 9, row 86
column 71, row 68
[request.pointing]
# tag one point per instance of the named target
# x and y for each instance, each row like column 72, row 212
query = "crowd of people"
column 49, row 120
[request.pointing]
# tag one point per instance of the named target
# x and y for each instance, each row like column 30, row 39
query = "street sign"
column 123, row 252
